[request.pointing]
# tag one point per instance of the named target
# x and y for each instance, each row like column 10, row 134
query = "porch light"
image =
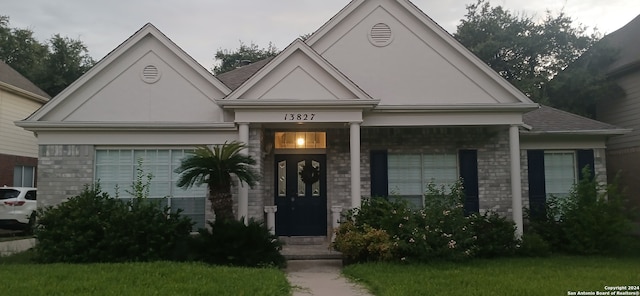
column 300, row 142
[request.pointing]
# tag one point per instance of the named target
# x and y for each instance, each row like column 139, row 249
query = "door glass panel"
column 315, row 188
column 282, row 178
column 301, row 186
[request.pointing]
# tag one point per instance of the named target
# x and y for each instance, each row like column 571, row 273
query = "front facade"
column 19, row 97
column 380, row 101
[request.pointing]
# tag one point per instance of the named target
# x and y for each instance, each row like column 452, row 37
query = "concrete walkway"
column 319, row 278
column 16, row 246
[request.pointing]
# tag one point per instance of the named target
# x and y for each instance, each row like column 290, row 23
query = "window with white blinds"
column 559, row 172
column 116, row 168
column 409, row 174
column 23, row 176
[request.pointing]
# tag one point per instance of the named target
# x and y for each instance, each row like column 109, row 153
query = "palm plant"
column 216, row 167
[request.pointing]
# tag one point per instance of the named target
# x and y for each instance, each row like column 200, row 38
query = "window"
column 300, row 140
column 23, row 176
column 409, row 174
column 560, row 172
column 116, row 168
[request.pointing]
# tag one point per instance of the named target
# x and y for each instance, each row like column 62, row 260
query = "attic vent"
column 150, row 74
column 380, row 35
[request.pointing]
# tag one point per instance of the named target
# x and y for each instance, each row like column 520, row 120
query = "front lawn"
column 156, row 278
column 506, row 276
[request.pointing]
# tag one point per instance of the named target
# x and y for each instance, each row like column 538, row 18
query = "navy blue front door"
column 301, row 194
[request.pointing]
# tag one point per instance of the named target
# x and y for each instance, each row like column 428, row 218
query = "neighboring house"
column 623, row 153
column 19, row 98
column 378, row 101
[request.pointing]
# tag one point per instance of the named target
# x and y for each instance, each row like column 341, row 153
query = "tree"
column 67, row 60
column 20, row 50
column 526, row 53
column 245, row 54
column 578, row 88
column 52, row 65
column 216, row 167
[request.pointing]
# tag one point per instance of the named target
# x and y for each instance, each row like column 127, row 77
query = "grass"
column 506, row 276
column 156, row 278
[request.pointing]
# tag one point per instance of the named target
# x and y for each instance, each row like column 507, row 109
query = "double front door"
column 301, row 194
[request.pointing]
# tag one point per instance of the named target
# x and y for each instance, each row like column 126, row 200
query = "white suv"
column 17, row 204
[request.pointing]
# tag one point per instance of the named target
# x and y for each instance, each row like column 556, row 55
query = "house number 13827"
column 299, row 116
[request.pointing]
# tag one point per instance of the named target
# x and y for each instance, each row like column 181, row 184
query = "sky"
column 201, row 27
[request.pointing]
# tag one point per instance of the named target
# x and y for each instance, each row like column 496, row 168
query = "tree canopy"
column 243, row 55
column 51, row 65
column 532, row 54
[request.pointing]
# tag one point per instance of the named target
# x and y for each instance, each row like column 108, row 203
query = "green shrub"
column 533, row 245
column 368, row 244
column 93, row 227
column 593, row 219
column 495, row 235
column 438, row 231
column 233, row 243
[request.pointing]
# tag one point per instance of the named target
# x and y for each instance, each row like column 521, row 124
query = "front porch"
column 495, row 168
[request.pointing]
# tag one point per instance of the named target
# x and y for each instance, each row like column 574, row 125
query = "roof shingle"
column 234, row 78
column 548, row 120
column 10, row 76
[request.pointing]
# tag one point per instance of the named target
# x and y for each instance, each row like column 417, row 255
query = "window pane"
column 559, row 172
column 315, row 188
column 17, row 176
column 440, row 169
column 23, row 176
column 27, row 173
column 405, row 174
column 282, row 178
column 302, row 188
column 118, row 168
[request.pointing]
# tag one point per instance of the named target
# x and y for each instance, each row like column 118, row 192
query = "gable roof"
column 301, row 62
column 464, row 64
column 148, row 30
column 11, row 79
column 627, row 41
column 548, row 120
column 234, row 78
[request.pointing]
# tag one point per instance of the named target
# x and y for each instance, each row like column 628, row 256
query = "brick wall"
column 492, row 144
column 9, row 162
column 256, row 202
column 63, row 170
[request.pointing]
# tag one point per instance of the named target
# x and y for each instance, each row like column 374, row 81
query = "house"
column 19, row 97
column 623, row 154
column 379, row 101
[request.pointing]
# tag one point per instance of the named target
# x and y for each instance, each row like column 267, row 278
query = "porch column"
column 516, row 182
column 243, row 190
column 271, row 218
column 354, row 142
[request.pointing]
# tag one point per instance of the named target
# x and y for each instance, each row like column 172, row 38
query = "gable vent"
column 380, row 35
column 150, row 74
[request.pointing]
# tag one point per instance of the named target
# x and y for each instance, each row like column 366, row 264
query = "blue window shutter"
column 469, row 174
column 537, row 190
column 585, row 158
column 379, row 173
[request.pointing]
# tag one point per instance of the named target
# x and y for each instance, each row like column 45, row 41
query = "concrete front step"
column 309, row 252
column 308, row 248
